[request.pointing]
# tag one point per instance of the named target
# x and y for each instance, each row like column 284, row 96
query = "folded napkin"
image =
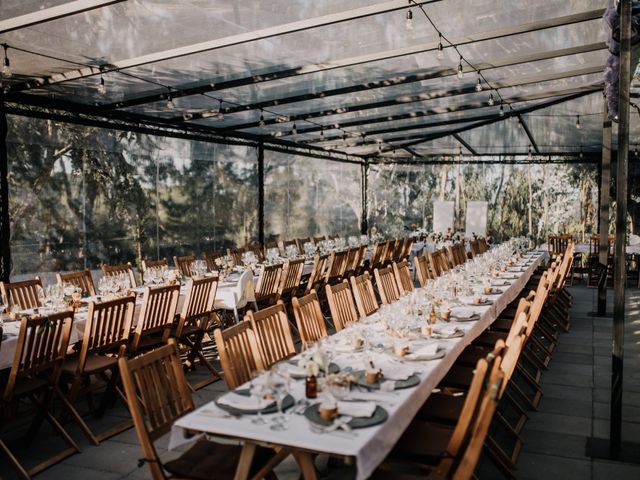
column 427, row 352
column 446, row 330
column 243, row 402
column 294, row 370
column 461, row 312
column 391, row 371
column 357, row 409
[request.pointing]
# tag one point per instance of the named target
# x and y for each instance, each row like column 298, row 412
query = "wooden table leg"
column 246, row 458
column 307, row 467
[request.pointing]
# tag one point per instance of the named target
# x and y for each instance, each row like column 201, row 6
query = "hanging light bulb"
column 479, row 84
column 578, row 125
column 501, row 110
column 220, row 112
column 440, row 54
column 294, row 130
column 261, row 118
column 170, row 104
column 460, row 69
column 322, row 131
column 491, row 100
column 102, row 90
column 6, row 65
column 581, row 154
column 530, row 155
column 635, row 151
column 409, row 20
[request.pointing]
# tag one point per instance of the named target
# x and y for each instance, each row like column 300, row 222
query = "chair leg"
column 14, row 461
column 76, row 416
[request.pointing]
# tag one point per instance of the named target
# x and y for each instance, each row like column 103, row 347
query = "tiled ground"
column 574, row 407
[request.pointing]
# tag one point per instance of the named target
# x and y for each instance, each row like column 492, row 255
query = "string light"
column 491, row 100
column 170, row 104
column 460, row 69
column 261, row 118
column 220, row 112
column 501, row 110
column 530, row 156
column 294, row 130
column 581, row 154
column 578, row 125
column 409, row 20
column 440, row 54
column 479, row 83
column 102, row 90
column 6, row 65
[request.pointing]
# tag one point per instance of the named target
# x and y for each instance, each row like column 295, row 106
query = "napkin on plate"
column 357, row 409
column 426, row 352
column 462, row 312
column 392, row 371
column 244, row 402
column 446, row 330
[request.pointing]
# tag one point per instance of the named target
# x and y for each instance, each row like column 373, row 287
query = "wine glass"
column 257, row 391
column 279, row 389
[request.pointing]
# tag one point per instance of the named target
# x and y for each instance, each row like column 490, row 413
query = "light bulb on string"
column 460, row 69
column 578, row 125
column 261, row 118
column 294, row 130
column 491, row 100
column 102, row 90
column 170, row 104
column 501, row 110
column 6, row 65
column 479, row 84
column 220, row 115
column 581, row 154
column 408, row 23
column 635, row 151
column 530, row 155
column 440, row 54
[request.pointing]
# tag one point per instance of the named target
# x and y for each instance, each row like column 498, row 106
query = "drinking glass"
column 257, row 391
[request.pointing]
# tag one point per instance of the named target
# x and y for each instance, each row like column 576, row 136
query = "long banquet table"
column 367, row 446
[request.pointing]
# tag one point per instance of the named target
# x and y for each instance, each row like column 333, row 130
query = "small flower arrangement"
column 317, row 363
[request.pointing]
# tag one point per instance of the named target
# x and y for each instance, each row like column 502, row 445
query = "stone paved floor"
column 574, row 407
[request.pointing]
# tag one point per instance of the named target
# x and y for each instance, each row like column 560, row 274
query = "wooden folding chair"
column 378, row 255
column 386, row 283
column 272, row 329
column 364, row 295
column 239, row 354
column 158, row 394
column 34, row 375
column 82, row 279
column 421, row 266
column 126, row 268
column 309, row 318
column 152, row 265
column 336, row 267
column 341, row 305
column 183, row 264
column 210, row 259
column 24, row 294
column 105, row 338
column 196, row 318
column 290, row 279
column 318, row 273
column 268, row 285
column 403, row 278
column 434, row 261
column 157, row 314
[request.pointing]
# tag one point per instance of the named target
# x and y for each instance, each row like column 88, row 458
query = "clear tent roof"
column 346, row 76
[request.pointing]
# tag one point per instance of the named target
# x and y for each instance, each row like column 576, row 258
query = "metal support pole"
column 261, row 194
column 364, row 221
column 619, row 274
column 5, row 224
column 605, row 200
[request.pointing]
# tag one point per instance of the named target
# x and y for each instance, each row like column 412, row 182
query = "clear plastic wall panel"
column 83, row 196
column 306, row 197
column 564, row 197
column 506, row 136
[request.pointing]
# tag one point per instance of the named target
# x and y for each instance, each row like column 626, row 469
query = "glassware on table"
column 279, row 388
column 258, row 391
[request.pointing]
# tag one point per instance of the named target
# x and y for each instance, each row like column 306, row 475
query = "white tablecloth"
column 369, row 446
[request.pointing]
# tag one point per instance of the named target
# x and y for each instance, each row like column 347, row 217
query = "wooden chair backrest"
column 318, row 273
column 157, row 394
column 337, row 265
column 183, row 264
column 358, row 262
column 406, row 248
column 421, row 266
column 290, row 277
column 402, row 274
column 309, row 318
column 353, row 255
column 434, row 260
column 239, row 353
column 236, row 254
column 197, row 308
column 317, row 240
column 557, row 244
column 24, row 294
column 41, row 348
column 126, row 268
column 147, row 264
column 210, row 259
column 386, row 283
column 510, row 358
column 341, row 304
column 389, row 251
column 273, row 332
column 364, row 295
column 445, row 264
column 108, row 328
column 158, row 311
column 268, row 283
column 377, row 256
column 474, row 247
column 300, row 243
column 82, row 279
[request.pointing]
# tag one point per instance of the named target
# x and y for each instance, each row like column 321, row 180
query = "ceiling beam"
column 464, row 143
column 528, row 132
column 232, row 40
column 567, row 98
column 407, row 99
column 463, row 108
column 52, row 13
column 178, row 92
